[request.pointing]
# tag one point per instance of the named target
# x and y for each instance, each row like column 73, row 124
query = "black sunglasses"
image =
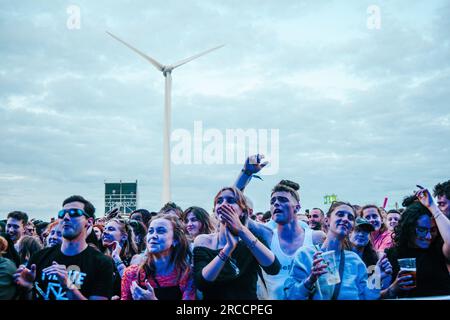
column 73, row 213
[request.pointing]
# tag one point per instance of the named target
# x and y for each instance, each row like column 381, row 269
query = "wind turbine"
column 167, row 72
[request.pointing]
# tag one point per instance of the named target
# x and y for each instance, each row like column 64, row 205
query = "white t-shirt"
column 275, row 283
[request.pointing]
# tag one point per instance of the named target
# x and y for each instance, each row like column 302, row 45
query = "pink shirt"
column 186, row 282
column 381, row 241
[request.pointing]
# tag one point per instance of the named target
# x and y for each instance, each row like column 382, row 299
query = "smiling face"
column 111, row 233
column 372, row 215
column 283, row 207
column 160, row 237
column 425, row 232
column 392, row 220
column 342, row 220
column 15, row 229
column 193, row 225
column 55, row 236
column 359, row 237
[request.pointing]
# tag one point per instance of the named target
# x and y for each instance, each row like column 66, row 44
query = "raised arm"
column 442, row 222
column 252, row 165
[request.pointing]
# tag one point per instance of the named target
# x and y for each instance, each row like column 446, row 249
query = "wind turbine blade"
column 157, row 65
column 180, row 63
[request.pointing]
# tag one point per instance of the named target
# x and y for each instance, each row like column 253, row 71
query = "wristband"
column 252, row 245
column 119, row 263
column 437, row 215
column 249, row 174
column 222, row 256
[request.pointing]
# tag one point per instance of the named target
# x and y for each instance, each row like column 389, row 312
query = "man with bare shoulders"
column 288, row 235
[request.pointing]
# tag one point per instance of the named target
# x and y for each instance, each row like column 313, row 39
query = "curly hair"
column 406, row 228
column 442, row 189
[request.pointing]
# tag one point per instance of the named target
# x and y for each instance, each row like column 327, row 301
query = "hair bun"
column 290, row 184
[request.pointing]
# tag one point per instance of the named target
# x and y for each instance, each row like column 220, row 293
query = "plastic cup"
column 332, row 276
column 408, row 266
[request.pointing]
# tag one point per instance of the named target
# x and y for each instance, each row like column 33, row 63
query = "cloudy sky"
column 362, row 109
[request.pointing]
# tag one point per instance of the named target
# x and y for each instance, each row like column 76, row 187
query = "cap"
column 364, row 224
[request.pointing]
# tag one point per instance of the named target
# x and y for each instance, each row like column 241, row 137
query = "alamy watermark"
column 213, row 146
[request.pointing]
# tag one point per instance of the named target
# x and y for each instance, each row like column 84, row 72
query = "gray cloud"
column 362, row 113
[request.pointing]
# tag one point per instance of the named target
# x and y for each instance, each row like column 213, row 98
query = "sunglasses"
column 73, row 213
column 423, row 232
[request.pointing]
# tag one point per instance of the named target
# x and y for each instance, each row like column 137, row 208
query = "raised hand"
column 142, row 294
column 425, row 198
column 117, row 249
column 385, row 267
column 25, row 277
column 114, row 213
column 254, row 164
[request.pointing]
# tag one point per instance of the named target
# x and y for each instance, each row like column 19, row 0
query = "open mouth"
column 277, row 211
column 107, row 239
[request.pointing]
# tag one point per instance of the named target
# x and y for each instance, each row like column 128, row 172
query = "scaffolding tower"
column 121, row 195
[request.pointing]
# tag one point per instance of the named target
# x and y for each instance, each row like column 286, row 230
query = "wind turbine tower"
column 167, row 73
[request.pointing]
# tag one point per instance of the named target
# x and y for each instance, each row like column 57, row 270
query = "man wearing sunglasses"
column 73, row 270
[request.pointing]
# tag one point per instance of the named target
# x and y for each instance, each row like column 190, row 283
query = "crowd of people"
column 349, row 251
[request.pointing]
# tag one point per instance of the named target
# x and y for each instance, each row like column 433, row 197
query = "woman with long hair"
column 423, row 234
column 140, row 232
column 118, row 241
column 226, row 262
column 197, row 221
column 166, row 273
column 306, row 281
column 381, row 237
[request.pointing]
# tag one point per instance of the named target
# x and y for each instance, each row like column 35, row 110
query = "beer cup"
column 408, row 266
